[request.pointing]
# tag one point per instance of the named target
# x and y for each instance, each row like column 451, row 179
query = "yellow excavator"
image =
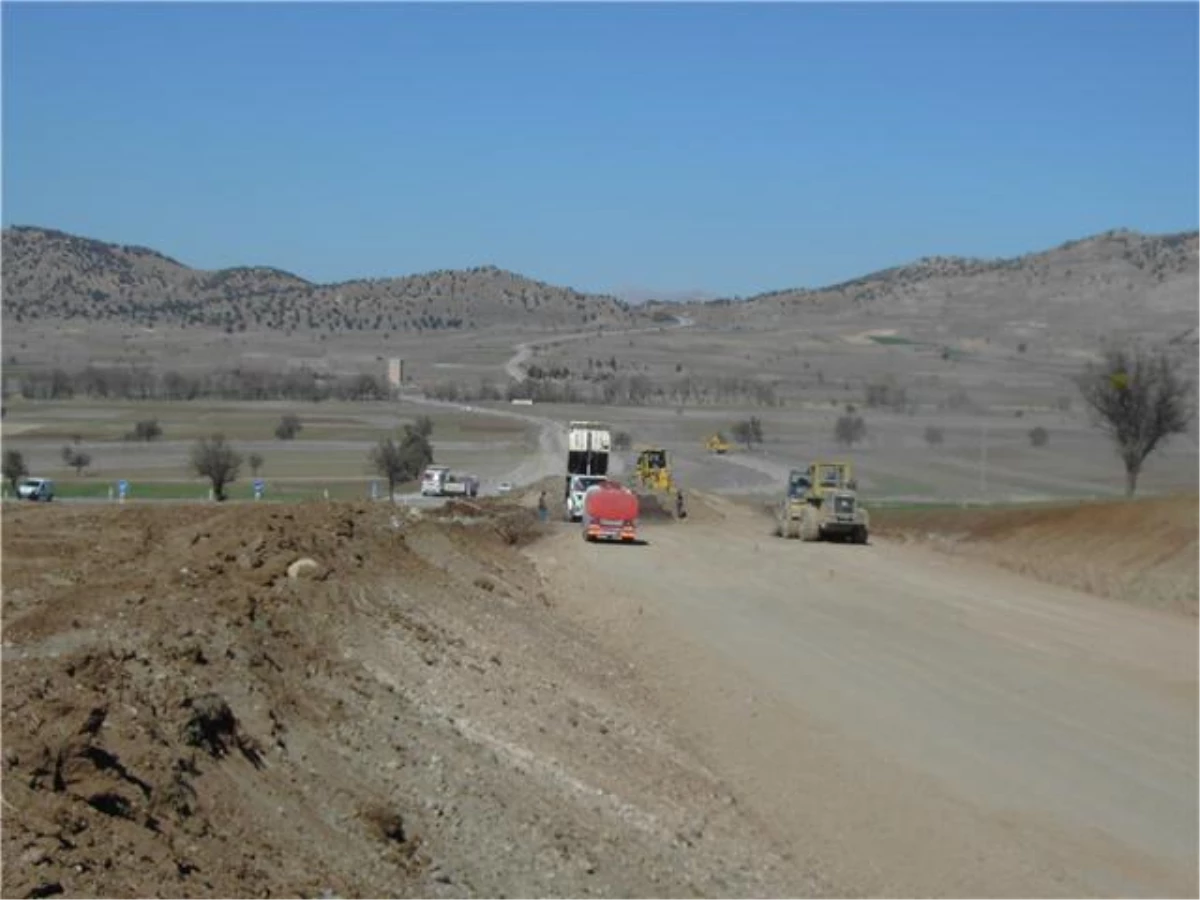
column 716, row 443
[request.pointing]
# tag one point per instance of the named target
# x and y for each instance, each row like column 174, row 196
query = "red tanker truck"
column 610, row 513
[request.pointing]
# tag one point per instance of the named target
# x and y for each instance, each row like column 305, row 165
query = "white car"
column 36, row 489
column 504, row 487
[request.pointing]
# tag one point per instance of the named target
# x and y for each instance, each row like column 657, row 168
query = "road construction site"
column 329, row 699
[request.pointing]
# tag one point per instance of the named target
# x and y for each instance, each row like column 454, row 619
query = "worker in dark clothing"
column 680, row 512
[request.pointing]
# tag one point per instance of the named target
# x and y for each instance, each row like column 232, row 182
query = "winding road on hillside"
column 906, row 722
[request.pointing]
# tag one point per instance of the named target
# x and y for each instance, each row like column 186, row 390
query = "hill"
column 1119, row 280
column 52, row 276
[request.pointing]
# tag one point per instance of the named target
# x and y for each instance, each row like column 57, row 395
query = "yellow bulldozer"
column 821, row 503
column 716, row 443
column 654, row 471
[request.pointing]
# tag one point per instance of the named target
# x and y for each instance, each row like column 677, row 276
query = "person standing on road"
column 680, row 512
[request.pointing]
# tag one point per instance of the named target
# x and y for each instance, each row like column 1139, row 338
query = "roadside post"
column 259, row 487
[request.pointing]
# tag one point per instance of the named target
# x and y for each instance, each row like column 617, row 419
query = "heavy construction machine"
column 716, row 443
column 821, row 503
column 654, row 470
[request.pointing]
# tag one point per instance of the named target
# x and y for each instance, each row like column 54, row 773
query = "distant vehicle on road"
column 36, row 489
column 439, row 481
column 504, row 487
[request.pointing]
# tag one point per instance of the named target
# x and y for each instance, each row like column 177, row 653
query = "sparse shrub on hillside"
column 622, row 440
column 14, row 469
column 1039, row 436
column 289, row 426
column 934, row 436
column 255, row 461
column 1139, row 398
column 213, row 458
column 886, row 395
column 849, row 430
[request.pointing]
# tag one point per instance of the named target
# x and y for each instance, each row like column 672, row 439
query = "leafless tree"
column 75, row 458
column 255, row 461
column 1139, row 397
column 934, row 436
column 14, row 468
column 216, row 460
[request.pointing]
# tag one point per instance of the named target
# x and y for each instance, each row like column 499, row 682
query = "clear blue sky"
column 733, row 147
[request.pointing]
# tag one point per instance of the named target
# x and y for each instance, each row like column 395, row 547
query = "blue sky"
column 729, row 147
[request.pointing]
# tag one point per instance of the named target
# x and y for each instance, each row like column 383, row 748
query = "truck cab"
column 577, row 489
column 433, row 481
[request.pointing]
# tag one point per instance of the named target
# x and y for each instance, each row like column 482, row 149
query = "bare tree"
column 934, row 436
column 255, row 461
column 1039, row 436
column 403, row 460
column 14, row 468
column 75, row 458
column 1139, row 398
column 214, row 459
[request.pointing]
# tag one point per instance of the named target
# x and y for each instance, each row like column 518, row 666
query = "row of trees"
column 139, row 383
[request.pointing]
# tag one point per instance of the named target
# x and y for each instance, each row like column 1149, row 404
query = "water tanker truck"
column 610, row 513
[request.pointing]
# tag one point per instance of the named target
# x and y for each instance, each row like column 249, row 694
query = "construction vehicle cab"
column 822, row 502
column 654, row 470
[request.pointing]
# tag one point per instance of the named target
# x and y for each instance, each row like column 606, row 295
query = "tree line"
column 140, row 383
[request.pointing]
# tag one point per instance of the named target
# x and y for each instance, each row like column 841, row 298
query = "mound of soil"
column 1141, row 551
column 332, row 700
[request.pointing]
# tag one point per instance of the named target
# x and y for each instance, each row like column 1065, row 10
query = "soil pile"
column 333, row 700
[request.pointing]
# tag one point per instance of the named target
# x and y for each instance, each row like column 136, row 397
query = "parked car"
column 36, row 489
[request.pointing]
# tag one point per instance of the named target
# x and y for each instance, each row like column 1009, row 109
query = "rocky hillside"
column 52, row 276
column 1120, row 277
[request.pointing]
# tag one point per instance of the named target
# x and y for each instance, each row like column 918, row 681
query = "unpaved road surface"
column 907, row 722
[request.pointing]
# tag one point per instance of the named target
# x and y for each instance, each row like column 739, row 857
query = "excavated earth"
column 335, row 700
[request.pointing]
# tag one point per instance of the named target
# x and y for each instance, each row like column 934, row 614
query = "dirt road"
column 907, row 723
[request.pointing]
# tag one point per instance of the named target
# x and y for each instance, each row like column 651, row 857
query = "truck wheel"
column 860, row 534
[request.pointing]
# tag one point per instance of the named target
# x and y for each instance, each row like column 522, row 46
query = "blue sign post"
column 259, row 487
column 122, row 489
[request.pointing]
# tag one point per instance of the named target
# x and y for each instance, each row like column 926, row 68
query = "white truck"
column 439, row 481
column 588, row 446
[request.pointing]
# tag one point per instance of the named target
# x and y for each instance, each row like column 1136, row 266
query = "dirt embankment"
column 190, row 710
column 1141, row 552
